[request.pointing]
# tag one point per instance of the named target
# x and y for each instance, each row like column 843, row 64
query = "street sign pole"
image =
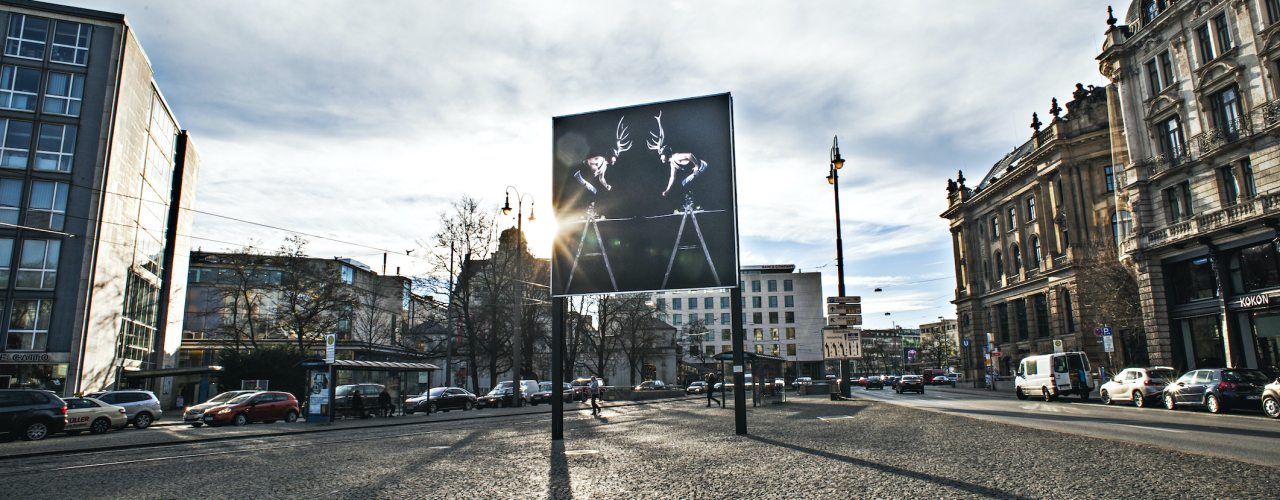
column 557, row 367
column 842, row 312
column 739, row 386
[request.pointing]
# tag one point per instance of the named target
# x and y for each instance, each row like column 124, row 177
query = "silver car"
column 142, row 407
column 1139, row 385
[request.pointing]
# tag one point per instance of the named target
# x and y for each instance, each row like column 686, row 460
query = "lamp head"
column 531, row 211
column 506, row 205
column 831, row 178
column 836, row 160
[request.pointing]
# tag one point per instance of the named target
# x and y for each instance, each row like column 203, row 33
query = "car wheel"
column 1168, row 402
column 1271, row 407
column 291, row 416
column 1106, row 397
column 239, row 420
column 1139, row 399
column 35, row 431
column 142, row 421
column 1211, row 402
column 1021, row 395
column 469, row 406
column 197, row 424
column 100, row 426
column 432, row 408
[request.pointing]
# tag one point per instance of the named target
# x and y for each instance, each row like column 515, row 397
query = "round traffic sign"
column 1097, row 332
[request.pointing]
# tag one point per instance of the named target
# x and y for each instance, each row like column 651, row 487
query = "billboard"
column 644, row 198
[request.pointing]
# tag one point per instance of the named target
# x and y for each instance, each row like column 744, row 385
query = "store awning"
column 172, row 372
column 393, row 366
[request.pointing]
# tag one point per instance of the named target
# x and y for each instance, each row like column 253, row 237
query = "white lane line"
column 1151, row 428
column 835, row 417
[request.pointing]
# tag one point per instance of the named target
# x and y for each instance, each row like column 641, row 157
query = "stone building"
column 1018, row 233
column 1197, row 83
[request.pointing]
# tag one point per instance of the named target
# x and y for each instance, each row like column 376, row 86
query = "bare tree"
column 638, row 335
column 311, row 296
column 577, row 327
column 240, row 298
column 601, row 343
column 937, row 349
column 694, row 334
column 875, row 354
column 459, row 251
column 1107, row 295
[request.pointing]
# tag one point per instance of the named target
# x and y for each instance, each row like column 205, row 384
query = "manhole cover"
column 581, row 452
column 835, row 417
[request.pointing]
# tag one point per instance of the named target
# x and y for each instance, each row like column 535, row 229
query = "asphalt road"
column 808, row 448
column 1242, row 434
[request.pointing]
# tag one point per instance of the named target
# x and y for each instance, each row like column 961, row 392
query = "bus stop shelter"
column 760, row 373
column 322, row 384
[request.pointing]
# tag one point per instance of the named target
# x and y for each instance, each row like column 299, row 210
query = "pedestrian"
column 594, row 389
column 384, row 404
column 711, row 389
column 357, row 403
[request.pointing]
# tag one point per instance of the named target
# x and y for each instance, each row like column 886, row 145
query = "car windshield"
column 345, row 390
column 499, row 392
column 224, row 396
column 435, row 393
column 1247, row 376
column 240, row 399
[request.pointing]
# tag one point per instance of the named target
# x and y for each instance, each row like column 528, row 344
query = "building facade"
column 783, row 314
column 97, row 180
column 1018, row 234
column 1198, row 87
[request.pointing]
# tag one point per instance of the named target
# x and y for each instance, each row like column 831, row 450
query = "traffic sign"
column 1097, row 332
column 844, row 308
column 844, row 320
column 995, row 354
column 1108, row 345
column 964, row 343
column 838, row 343
column 1057, row 346
column 844, row 300
column 1106, row 331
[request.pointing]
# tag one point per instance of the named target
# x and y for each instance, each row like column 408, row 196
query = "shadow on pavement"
column 558, row 486
column 1118, row 421
column 939, row 480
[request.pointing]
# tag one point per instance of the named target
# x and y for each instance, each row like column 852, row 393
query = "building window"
column 39, row 265
column 693, row 351
column 71, row 43
column 999, row 266
column 62, row 95
column 773, row 301
column 709, row 336
column 789, row 301
column 348, row 274
column 708, row 319
column 1121, row 225
column 709, row 303
column 773, row 285
column 791, row 349
column 56, row 147
column 662, row 318
column 1035, row 250
column 1159, row 73
column 1171, row 143
column 789, row 317
column 773, row 334
column 726, row 335
column 1224, row 107
column 1222, row 33
column 6, row 258
column 1017, row 259
column 1031, row 208
column 1002, row 312
column 677, row 304
column 758, row 333
column 757, row 318
column 661, row 304
column 1192, row 280
column 29, row 325
column 1273, row 10
column 711, row 350
column 1152, row 8
column 787, row 285
column 1254, row 268
column 1013, row 218
column 1178, row 201
column 790, row 333
column 773, row 349
column 677, row 319
column 26, row 37
column 1066, row 310
column 10, row 199
column 693, row 303
column 1020, row 309
column 1066, row 239
column 773, row 318
column 19, row 87
column 995, row 227
column 724, row 302
column 1110, row 177
column 1042, row 314
column 1246, row 177
column 725, row 318
column 756, row 302
column 48, row 206
column 17, row 143
column 755, row 286
column 759, row 348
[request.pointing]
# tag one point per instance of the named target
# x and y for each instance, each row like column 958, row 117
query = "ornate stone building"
column 1016, row 236
column 1197, row 83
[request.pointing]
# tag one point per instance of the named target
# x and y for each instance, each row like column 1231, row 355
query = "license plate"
column 1251, row 397
column 208, row 417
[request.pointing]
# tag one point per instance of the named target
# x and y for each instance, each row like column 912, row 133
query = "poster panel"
column 644, row 198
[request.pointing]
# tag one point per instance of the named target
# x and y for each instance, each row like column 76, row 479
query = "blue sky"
column 361, row 121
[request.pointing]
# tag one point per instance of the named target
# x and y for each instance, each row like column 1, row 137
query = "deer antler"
column 656, row 142
column 621, row 134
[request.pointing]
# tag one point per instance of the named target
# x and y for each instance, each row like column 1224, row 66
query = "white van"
column 527, row 388
column 1053, row 375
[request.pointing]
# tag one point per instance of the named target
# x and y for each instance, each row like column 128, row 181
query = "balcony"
column 1270, row 112
column 1160, row 164
column 1212, row 139
column 1208, row 222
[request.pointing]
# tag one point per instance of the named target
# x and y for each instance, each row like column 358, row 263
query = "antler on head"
column 656, row 143
column 620, row 133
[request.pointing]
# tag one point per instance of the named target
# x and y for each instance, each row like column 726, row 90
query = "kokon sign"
column 1255, row 300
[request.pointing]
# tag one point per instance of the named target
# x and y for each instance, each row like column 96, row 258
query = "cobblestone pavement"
column 808, row 448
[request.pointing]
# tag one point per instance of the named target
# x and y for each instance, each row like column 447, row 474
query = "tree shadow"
column 558, row 485
column 920, row 476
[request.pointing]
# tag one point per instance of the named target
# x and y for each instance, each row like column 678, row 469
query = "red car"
column 265, row 407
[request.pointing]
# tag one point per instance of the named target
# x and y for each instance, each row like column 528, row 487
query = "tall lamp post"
column 833, row 178
column 518, row 344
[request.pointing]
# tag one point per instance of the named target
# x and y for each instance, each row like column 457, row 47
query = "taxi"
column 89, row 414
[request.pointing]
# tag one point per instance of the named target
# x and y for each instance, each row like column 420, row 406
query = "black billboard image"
column 644, row 198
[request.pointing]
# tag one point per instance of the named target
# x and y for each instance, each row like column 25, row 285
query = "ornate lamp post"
column 833, row 178
column 518, row 344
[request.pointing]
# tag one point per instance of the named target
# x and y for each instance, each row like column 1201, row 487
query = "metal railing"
column 1199, row 225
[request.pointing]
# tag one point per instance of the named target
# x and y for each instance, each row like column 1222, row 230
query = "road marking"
column 1151, row 428
column 835, row 417
column 581, row 452
column 438, row 447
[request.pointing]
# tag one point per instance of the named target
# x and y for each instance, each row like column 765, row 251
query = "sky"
column 362, row 121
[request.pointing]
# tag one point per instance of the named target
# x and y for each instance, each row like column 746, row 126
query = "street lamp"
column 833, row 178
column 518, row 345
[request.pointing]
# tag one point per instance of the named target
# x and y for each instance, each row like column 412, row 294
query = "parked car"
column 581, row 388
column 496, row 398
column 698, row 387
column 544, row 393
column 1053, row 375
column 440, row 399
column 873, row 382
column 142, row 406
column 801, row 381
column 931, row 374
column 527, row 388
column 954, row 378
column 911, row 383
column 651, row 385
column 31, row 414
column 195, row 414
column 1217, row 389
column 1271, row 399
column 1139, row 385
column 344, row 394
column 89, row 414
column 266, row 407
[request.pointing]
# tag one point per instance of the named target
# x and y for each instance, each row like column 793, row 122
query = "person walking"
column 711, row 389
column 384, row 404
column 594, row 388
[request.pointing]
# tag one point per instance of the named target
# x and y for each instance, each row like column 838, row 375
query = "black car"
column 31, row 414
column 874, row 383
column 440, row 399
column 544, row 393
column 1216, row 389
column 496, row 398
column 911, row 383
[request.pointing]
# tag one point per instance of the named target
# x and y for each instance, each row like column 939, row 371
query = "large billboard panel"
column 644, row 198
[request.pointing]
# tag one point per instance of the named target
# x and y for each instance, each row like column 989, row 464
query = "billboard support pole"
column 739, row 382
column 557, row 367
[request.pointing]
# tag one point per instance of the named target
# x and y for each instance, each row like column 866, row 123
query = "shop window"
column 1204, row 337
column 1192, row 280
column 1254, row 268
